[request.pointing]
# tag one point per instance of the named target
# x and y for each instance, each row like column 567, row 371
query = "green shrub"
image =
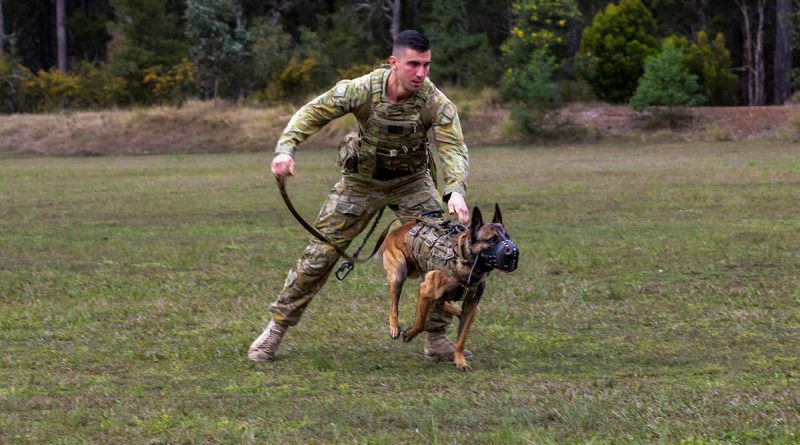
column 613, row 49
column 711, row 63
column 98, row 87
column 11, row 91
column 354, row 71
column 666, row 82
column 575, row 91
column 532, row 92
column 719, row 134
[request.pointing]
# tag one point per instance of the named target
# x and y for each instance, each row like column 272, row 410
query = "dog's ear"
column 498, row 217
column 477, row 222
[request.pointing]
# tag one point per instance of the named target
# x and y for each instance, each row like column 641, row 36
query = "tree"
column 615, row 47
column 395, row 8
column 782, row 65
column 711, row 63
column 219, row 40
column 666, row 82
column 460, row 57
column 2, row 30
column 539, row 25
column 532, row 92
column 146, row 33
column 61, row 34
column 753, row 53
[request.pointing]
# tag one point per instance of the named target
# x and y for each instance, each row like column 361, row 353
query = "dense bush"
column 666, row 82
column 11, row 91
column 175, row 84
column 52, row 90
column 452, row 41
column 615, row 47
column 98, row 87
column 711, row 63
column 49, row 90
column 532, row 91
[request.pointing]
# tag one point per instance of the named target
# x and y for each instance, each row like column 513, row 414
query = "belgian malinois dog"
column 473, row 253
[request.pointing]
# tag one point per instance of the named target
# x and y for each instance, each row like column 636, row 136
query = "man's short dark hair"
column 410, row 39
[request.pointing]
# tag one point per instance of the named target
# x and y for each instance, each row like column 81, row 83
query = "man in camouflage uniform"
column 387, row 163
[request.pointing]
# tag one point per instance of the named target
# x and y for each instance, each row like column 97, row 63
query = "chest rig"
column 432, row 246
column 393, row 141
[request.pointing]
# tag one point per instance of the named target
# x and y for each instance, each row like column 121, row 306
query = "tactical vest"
column 431, row 245
column 392, row 140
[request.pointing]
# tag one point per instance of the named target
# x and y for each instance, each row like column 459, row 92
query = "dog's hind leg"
column 452, row 310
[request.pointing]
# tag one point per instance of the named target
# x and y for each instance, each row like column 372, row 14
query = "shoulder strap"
column 376, row 85
column 422, row 95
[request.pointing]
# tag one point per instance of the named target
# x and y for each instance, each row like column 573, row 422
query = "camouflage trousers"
column 350, row 206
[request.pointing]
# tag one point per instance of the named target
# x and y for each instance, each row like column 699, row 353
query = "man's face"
column 411, row 67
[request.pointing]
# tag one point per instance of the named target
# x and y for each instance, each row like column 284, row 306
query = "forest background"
column 94, row 54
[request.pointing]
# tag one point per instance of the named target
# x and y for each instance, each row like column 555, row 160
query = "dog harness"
column 430, row 242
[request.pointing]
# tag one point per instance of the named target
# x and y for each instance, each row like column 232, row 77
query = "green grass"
column 656, row 302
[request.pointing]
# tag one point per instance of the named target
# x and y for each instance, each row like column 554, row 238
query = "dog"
column 453, row 262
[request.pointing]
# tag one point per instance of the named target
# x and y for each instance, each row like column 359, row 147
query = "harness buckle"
column 393, row 152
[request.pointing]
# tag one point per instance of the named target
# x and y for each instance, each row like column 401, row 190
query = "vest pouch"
column 348, row 153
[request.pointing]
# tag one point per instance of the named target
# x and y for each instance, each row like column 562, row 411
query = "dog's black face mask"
column 502, row 256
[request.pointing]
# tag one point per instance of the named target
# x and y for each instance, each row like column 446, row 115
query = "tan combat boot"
column 264, row 346
column 437, row 346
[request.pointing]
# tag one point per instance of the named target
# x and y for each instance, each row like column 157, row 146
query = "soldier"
column 387, row 163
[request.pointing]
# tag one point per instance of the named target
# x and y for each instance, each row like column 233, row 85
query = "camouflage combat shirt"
column 355, row 96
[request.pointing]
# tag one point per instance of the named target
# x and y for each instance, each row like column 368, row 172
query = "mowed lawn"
column 657, row 301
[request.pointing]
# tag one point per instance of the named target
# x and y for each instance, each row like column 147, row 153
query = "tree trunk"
column 61, row 35
column 2, row 30
column 747, row 52
column 700, row 8
column 760, row 74
column 753, row 53
column 396, row 9
column 784, row 33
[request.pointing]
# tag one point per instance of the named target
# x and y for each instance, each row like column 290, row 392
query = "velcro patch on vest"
column 430, row 240
column 395, row 129
column 340, row 90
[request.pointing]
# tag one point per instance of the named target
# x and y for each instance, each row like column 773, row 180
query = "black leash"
column 282, row 187
column 350, row 261
column 347, row 266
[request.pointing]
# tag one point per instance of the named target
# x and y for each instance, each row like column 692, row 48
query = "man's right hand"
column 282, row 165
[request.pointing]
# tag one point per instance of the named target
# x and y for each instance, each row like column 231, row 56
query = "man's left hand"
column 457, row 205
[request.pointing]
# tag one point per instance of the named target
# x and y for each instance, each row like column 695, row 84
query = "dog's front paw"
column 394, row 332
column 463, row 367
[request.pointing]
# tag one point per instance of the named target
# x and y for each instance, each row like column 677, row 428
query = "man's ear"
column 393, row 62
column 498, row 217
column 477, row 222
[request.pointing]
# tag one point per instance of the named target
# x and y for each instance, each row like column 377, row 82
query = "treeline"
column 96, row 53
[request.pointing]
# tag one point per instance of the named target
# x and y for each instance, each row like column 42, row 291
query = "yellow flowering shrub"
column 49, row 90
column 173, row 84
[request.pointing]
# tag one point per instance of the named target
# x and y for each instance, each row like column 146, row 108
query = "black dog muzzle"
column 503, row 256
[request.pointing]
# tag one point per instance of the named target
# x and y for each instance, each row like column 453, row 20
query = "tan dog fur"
column 438, row 287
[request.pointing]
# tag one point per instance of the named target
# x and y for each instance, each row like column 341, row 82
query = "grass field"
column 657, row 301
